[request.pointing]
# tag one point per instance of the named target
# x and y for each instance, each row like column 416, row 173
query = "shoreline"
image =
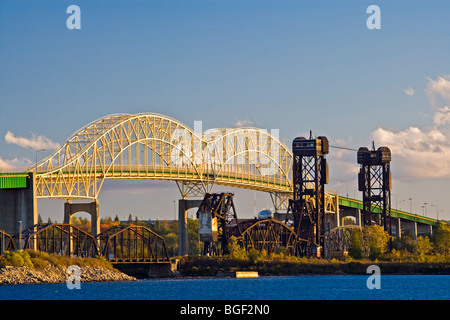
column 193, row 267
column 219, row 269
column 57, row 274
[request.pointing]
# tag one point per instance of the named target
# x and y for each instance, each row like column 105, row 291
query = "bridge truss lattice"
column 154, row 146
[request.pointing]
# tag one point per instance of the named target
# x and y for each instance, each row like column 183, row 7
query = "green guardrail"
column 357, row 204
column 13, row 181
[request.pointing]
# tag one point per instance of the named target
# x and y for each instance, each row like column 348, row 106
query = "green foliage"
column 369, row 242
column 375, row 241
column 18, row 258
column 279, row 253
column 348, row 221
column 407, row 243
column 255, row 255
column 235, row 250
column 171, row 241
column 194, row 244
column 37, row 259
column 39, row 263
column 355, row 249
column 441, row 239
column 423, row 247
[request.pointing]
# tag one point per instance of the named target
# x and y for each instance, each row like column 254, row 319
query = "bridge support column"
column 398, row 227
column 358, row 218
column 343, row 213
column 183, row 207
column 91, row 208
column 412, row 226
column 18, row 207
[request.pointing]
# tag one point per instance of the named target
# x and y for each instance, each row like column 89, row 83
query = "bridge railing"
column 128, row 243
column 72, row 182
column 133, row 244
column 63, row 239
column 6, row 242
column 395, row 213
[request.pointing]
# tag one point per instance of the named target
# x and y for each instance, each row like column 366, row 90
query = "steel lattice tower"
column 310, row 174
column 374, row 181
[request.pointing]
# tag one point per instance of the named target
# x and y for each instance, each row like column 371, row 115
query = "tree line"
column 369, row 242
column 374, row 243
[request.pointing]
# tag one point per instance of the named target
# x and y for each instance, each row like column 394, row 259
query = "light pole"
column 437, row 211
column 36, row 158
column 400, row 204
column 410, row 205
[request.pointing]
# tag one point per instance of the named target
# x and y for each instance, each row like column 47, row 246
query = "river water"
column 345, row 287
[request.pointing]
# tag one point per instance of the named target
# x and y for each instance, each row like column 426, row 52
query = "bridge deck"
column 357, row 204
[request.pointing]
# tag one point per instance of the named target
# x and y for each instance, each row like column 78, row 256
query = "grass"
column 211, row 266
column 40, row 260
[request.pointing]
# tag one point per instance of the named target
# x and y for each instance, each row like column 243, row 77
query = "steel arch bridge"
column 155, row 146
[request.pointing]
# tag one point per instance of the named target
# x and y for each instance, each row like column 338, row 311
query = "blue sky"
column 288, row 65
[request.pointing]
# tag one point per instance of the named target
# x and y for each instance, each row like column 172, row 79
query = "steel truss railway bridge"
column 156, row 147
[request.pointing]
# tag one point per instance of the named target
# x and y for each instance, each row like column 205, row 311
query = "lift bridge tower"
column 310, row 174
column 374, row 181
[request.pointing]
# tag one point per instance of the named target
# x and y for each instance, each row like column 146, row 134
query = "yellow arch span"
column 155, row 146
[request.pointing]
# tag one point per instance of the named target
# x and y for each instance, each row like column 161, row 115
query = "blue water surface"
column 393, row 287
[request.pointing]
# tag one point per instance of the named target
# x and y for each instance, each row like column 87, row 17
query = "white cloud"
column 419, row 153
column 342, row 165
column 438, row 92
column 242, row 123
column 442, row 116
column 438, row 89
column 416, row 153
column 9, row 165
column 409, row 92
column 36, row 142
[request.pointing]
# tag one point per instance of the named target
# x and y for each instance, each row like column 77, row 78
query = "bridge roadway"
column 226, row 177
column 348, row 203
column 402, row 222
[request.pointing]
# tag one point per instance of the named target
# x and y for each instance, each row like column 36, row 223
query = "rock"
column 52, row 274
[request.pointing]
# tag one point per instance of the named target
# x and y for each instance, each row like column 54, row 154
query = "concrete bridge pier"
column 409, row 226
column 18, row 207
column 355, row 213
column 415, row 228
column 92, row 208
column 183, row 207
column 396, row 227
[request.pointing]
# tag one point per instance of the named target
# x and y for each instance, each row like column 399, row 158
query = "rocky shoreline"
column 58, row 274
